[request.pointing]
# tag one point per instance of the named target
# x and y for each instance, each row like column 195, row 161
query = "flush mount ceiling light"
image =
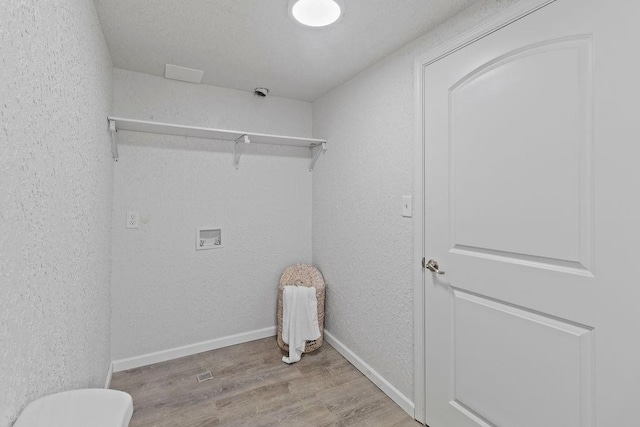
column 316, row 13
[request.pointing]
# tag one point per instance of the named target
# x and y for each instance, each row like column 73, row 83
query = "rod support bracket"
column 237, row 148
column 114, row 139
column 315, row 154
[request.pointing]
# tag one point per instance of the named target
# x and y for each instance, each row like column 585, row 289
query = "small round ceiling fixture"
column 316, row 13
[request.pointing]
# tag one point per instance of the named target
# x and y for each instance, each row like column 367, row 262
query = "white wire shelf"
column 317, row 146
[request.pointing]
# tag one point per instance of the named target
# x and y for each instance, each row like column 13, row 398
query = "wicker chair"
column 303, row 275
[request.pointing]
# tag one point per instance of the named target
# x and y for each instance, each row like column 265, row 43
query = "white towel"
column 299, row 319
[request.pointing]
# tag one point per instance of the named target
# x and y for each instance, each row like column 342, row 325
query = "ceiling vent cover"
column 190, row 75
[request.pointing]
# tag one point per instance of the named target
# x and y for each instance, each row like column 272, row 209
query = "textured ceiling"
column 243, row 44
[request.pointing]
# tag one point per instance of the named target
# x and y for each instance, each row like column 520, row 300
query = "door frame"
column 504, row 18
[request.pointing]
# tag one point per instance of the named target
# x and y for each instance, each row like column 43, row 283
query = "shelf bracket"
column 319, row 149
column 114, row 139
column 237, row 148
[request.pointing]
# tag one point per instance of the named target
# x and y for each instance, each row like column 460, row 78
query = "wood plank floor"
column 253, row 387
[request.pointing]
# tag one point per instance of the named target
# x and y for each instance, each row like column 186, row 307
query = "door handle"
column 432, row 265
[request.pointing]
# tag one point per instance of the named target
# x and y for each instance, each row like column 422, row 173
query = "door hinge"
column 423, row 262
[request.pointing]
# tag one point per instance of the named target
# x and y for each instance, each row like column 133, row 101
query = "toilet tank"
column 79, row 408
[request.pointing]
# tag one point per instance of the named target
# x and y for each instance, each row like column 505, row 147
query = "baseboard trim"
column 188, row 350
column 107, row 383
column 400, row 399
column 174, row 353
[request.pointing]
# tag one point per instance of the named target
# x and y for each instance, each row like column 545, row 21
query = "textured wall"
column 165, row 293
column 360, row 241
column 56, row 177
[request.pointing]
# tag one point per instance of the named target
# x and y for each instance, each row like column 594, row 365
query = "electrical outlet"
column 133, row 220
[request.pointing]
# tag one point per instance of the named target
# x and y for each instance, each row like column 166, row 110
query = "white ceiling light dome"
column 316, row 13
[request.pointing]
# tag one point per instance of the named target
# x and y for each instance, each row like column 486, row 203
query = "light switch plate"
column 407, row 206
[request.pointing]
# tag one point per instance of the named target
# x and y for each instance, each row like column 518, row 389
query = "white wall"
column 360, row 241
column 165, row 293
column 56, row 176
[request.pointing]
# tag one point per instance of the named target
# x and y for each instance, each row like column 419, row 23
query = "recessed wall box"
column 208, row 238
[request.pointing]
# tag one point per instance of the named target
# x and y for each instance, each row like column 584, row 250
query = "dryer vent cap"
column 261, row 91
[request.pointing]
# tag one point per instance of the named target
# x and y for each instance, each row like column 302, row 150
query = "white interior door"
column 532, row 210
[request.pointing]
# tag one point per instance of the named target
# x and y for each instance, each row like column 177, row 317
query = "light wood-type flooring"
column 253, row 387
